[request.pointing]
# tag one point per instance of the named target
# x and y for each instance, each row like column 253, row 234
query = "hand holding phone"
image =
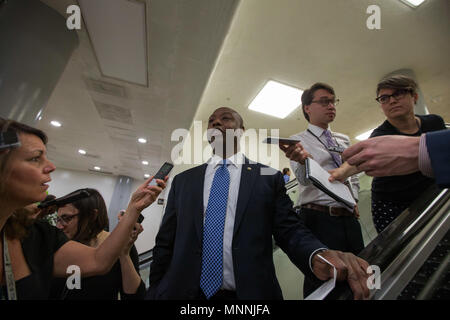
column 162, row 173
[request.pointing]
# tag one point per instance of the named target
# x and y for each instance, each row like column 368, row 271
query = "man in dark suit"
column 230, row 207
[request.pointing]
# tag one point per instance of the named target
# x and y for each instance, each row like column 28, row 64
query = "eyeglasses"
column 64, row 220
column 327, row 102
column 398, row 94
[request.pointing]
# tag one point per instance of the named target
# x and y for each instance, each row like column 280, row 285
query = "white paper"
column 338, row 188
column 326, row 288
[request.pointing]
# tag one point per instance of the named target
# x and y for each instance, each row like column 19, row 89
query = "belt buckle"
column 330, row 209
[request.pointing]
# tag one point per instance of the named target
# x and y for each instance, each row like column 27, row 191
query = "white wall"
column 65, row 181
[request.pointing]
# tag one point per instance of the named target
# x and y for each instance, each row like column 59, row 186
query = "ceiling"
column 204, row 54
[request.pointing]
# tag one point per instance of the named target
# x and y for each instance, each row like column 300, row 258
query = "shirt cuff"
column 424, row 158
column 312, row 255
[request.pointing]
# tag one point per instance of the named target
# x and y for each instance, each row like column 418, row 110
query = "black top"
column 105, row 287
column 39, row 247
column 404, row 188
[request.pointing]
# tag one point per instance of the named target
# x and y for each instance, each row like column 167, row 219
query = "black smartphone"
column 139, row 219
column 162, row 173
column 9, row 139
column 278, row 140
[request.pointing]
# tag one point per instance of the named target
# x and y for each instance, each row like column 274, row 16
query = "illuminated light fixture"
column 146, row 175
column 97, row 168
column 55, row 123
column 81, row 151
column 413, row 3
column 142, row 140
column 365, row 135
column 145, row 163
column 276, row 99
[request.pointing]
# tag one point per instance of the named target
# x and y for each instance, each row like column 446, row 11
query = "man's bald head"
column 234, row 113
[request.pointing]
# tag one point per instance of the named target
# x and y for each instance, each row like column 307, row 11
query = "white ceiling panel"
column 117, row 29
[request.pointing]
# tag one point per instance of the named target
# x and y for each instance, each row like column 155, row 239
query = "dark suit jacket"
column 263, row 210
column 438, row 146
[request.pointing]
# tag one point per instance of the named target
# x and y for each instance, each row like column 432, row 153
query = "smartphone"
column 162, row 173
column 277, row 140
column 9, row 139
column 140, row 218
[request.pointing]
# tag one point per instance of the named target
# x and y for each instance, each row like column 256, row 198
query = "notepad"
column 336, row 190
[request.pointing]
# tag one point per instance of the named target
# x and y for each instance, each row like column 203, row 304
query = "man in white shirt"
column 331, row 222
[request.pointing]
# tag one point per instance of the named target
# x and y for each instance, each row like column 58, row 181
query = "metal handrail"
column 397, row 240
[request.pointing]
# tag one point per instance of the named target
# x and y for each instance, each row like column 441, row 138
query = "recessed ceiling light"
column 146, row 175
column 142, row 140
column 276, row 99
column 413, row 3
column 365, row 135
column 82, row 151
column 55, row 123
column 145, row 163
column 97, row 168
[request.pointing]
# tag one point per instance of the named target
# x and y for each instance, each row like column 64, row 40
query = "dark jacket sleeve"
column 290, row 234
column 140, row 293
column 164, row 243
column 438, row 145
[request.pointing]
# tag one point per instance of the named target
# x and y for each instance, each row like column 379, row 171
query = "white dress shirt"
column 235, row 168
column 308, row 192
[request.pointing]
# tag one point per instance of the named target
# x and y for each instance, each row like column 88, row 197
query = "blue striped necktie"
column 212, row 264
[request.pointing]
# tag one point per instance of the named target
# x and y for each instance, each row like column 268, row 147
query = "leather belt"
column 332, row 211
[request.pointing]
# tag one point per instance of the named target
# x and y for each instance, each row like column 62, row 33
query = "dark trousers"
column 337, row 233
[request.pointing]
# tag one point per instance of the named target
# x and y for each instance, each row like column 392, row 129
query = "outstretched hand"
column 145, row 195
column 348, row 266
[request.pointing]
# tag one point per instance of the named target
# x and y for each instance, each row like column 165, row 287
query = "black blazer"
column 263, row 209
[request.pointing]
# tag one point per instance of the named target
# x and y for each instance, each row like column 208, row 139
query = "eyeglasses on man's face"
column 65, row 219
column 327, row 102
column 398, row 94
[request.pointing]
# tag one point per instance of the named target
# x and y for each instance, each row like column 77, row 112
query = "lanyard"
column 330, row 149
column 9, row 275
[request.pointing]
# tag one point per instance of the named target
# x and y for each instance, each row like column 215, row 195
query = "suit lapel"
column 197, row 186
column 248, row 178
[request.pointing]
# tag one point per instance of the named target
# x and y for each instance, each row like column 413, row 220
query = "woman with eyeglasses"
column 86, row 221
column 391, row 195
column 32, row 254
column 397, row 96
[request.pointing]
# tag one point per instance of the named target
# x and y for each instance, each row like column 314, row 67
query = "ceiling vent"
column 113, row 113
column 106, row 88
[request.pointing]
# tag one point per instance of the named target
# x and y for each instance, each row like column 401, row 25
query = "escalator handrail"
column 389, row 243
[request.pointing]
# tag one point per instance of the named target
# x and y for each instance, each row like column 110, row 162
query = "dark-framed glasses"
column 327, row 102
column 65, row 219
column 398, row 94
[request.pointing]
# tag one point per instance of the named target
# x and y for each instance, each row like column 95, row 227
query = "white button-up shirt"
column 308, row 192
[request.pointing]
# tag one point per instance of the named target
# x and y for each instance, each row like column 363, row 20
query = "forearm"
column 110, row 250
column 130, row 277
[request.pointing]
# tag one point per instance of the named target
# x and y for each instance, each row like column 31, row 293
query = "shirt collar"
column 318, row 131
column 235, row 160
